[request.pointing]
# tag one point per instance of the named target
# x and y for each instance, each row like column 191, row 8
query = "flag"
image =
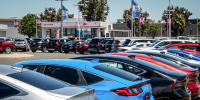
column 58, row 34
column 141, row 20
column 64, row 14
column 135, row 9
column 84, row 21
column 19, row 25
column 38, row 21
column 169, row 21
column 15, row 24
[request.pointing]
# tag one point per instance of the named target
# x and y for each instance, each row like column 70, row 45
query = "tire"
column 66, row 51
column 44, row 49
column 7, row 50
column 1, row 51
column 91, row 52
column 34, row 51
column 51, row 51
column 81, row 52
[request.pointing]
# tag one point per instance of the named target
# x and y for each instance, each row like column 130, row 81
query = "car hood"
column 68, row 92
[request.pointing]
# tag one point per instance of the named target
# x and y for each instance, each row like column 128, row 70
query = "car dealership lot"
column 38, row 55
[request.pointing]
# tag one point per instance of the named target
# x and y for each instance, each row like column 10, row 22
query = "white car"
column 129, row 47
column 22, row 84
column 161, row 43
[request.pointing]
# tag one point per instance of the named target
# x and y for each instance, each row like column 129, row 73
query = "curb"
column 15, row 56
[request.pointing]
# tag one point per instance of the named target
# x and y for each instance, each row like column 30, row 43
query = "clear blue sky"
column 155, row 8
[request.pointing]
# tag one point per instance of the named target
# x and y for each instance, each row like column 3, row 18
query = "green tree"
column 199, row 25
column 153, row 29
column 186, row 14
column 96, row 10
column 178, row 22
column 118, row 22
column 28, row 25
column 127, row 17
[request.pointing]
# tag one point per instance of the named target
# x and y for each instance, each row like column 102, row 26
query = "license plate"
column 65, row 46
column 51, row 44
column 113, row 47
column 102, row 45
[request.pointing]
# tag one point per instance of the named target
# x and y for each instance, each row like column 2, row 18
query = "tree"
column 153, row 29
column 96, row 10
column 199, row 25
column 118, row 22
column 127, row 17
column 28, row 25
column 186, row 14
column 178, row 22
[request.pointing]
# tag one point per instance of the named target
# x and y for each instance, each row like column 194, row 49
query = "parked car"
column 94, row 45
column 132, row 41
column 29, row 85
column 161, row 43
column 166, row 84
column 182, row 46
column 76, row 38
column 129, row 47
column 39, row 44
column 102, row 46
column 169, row 56
column 83, row 47
column 6, row 47
column 21, row 44
column 110, row 83
column 9, row 40
column 56, row 45
column 193, row 83
column 71, row 46
column 117, row 43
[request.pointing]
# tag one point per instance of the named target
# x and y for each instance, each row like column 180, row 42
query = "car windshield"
column 116, row 42
column 19, row 40
column 86, row 42
column 95, row 41
column 153, row 44
column 117, row 72
column 109, row 42
column 131, row 45
column 8, row 40
column 37, row 39
column 39, row 80
column 127, row 41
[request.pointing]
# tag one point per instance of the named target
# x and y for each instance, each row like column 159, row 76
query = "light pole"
column 161, row 21
column 61, row 18
column 169, row 19
column 197, row 29
column 36, row 22
column 78, row 17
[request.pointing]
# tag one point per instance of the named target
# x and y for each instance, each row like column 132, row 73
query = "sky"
column 155, row 8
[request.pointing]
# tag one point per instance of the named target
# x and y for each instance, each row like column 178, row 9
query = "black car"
column 168, row 56
column 39, row 44
column 166, row 84
column 116, row 44
column 71, row 46
column 56, row 45
column 94, row 45
column 76, row 38
column 108, row 45
column 102, row 46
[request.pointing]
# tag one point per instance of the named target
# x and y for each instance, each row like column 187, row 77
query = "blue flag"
column 64, row 14
column 135, row 9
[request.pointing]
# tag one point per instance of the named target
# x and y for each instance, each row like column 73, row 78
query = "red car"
column 83, row 47
column 6, row 47
column 193, row 83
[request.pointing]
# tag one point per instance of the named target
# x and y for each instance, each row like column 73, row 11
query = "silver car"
column 22, row 84
column 21, row 44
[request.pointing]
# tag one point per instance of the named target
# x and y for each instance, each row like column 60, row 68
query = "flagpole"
column 61, row 20
column 36, row 23
column 139, row 28
column 132, row 19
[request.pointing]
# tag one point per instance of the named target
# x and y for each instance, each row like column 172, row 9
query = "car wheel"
column 33, row 50
column 81, row 52
column 91, row 52
column 8, row 50
column 51, row 51
column 66, row 51
column 44, row 49
column 1, row 51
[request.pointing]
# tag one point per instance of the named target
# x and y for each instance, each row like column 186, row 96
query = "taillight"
column 56, row 44
column 85, row 46
column 77, row 46
column 172, row 84
column 98, row 45
column 124, row 49
column 71, row 45
column 129, row 91
column 182, row 83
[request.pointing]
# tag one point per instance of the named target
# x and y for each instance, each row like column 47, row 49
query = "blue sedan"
column 183, row 54
column 110, row 83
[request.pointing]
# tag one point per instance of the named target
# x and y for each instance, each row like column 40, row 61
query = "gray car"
column 21, row 44
column 18, row 84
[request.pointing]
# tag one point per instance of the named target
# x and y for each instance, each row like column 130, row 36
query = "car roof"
column 5, row 70
column 183, row 44
column 62, row 62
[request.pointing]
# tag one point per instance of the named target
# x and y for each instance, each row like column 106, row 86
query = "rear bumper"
column 67, row 49
column 36, row 47
column 93, row 50
column 20, row 47
column 82, row 49
column 194, row 88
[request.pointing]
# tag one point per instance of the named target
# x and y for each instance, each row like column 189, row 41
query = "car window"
column 189, row 47
column 95, row 41
column 19, row 40
column 36, row 68
column 91, row 79
column 141, row 45
column 38, row 80
column 147, row 44
column 37, row 40
column 7, row 91
column 104, row 41
column 109, row 42
column 134, row 70
column 66, row 74
column 163, row 43
column 174, row 47
column 113, row 64
column 179, row 54
column 175, row 42
column 127, row 41
column 153, row 44
column 53, row 40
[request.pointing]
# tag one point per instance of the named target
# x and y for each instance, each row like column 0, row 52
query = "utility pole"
column 132, row 20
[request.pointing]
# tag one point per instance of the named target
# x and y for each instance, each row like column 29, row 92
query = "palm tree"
column 178, row 22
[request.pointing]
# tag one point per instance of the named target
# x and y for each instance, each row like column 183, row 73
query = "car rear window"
column 117, row 72
column 37, row 39
column 53, row 40
column 127, row 41
column 95, row 41
column 104, row 41
column 109, row 42
column 18, row 40
column 38, row 80
column 116, row 42
column 167, row 62
column 86, row 42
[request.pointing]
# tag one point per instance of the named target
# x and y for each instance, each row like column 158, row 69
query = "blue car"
column 110, row 83
column 183, row 54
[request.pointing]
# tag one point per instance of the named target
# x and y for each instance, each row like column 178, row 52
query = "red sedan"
column 193, row 83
